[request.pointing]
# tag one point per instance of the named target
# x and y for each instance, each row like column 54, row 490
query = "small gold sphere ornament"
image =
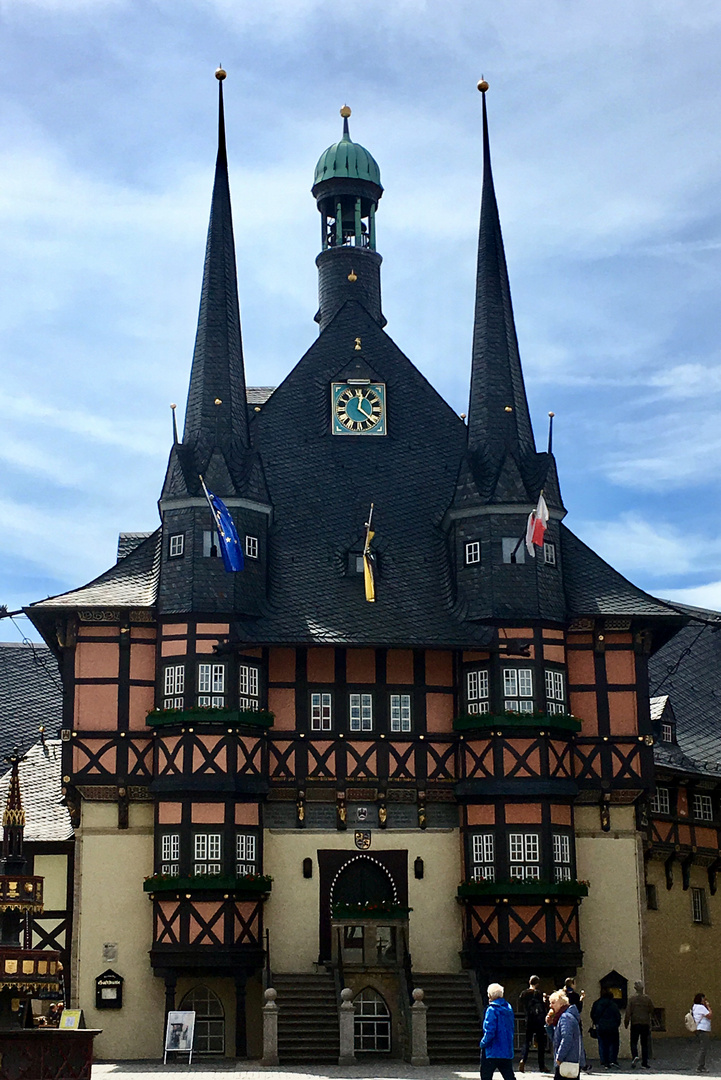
column 508, row 409
column 345, row 112
column 220, row 74
column 218, row 401
column 352, row 276
column 552, row 414
column 173, row 405
column 483, row 86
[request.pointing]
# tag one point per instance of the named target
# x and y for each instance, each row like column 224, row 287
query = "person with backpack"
column 639, row 1014
column 606, row 1019
column 701, row 1012
column 499, row 1025
column 534, row 1004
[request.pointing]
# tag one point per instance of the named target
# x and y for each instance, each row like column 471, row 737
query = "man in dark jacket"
column 497, row 1041
column 606, row 1017
column 639, row 1014
column 533, row 1003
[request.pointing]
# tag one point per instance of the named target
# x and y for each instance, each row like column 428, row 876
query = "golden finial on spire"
column 345, row 112
column 220, row 74
column 483, row 85
column 352, row 276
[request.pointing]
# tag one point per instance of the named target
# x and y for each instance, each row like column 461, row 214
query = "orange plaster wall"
column 246, row 813
column 321, row 665
column 583, row 705
column 617, row 639
column 97, row 631
column 706, row 837
column 142, row 662
column 684, row 834
column 170, row 813
column 213, row 628
column 620, row 667
column 509, row 632
column 174, row 648
column 561, row 815
column 142, row 699
column 579, row 639
column 207, row 813
column 482, row 814
column 96, row 707
column 142, row 633
column 581, row 667
column 94, row 660
column 361, row 666
column 282, row 703
column 555, row 653
column 622, row 712
column 205, row 646
column 175, row 629
column 523, row 814
column 471, row 657
column 399, row 666
column 553, row 635
column 439, row 668
column 281, row 665
column 682, row 802
column 439, row 712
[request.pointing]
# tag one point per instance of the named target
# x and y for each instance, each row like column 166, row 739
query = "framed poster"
column 179, row 1033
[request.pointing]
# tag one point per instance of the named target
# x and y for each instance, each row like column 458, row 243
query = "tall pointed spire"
column 13, row 822
column 498, row 417
column 217, row 412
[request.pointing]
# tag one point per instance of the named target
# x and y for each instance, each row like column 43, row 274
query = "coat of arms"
column 362, row 839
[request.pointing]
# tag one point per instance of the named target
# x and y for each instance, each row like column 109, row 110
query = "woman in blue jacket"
column 497, row 1041
column 567, row 1045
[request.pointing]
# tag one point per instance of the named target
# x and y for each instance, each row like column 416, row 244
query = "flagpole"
column 369, row 522
column 213, row 548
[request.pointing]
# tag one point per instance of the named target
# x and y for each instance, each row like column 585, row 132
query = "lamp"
column 418, row 867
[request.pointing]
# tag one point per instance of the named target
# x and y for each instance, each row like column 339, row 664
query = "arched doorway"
column 209, row 1020
column 372, row 1023
column 363, row 880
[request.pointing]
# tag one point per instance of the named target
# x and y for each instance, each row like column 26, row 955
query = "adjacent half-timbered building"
column 275, row 776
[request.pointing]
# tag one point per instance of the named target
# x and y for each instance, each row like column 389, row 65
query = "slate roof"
column 30, row 695
column 688, row 671
column 132, row 582
column 46, row 819
column 594, row 588
column 128, row 541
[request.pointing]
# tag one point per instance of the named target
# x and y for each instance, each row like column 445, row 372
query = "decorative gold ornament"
column 220, row 74
column 345, row 112
column 483, row 86
column 352, row 276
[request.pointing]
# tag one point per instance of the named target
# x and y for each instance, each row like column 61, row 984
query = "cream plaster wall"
column 683, row 958
column 54, row 868
column 292, row 912
column 611, row 934
column 112, row 907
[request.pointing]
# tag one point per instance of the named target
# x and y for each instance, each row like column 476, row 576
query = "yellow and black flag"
column 369, row 562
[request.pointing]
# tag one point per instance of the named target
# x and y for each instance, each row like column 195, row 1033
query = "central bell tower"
column 347, row 188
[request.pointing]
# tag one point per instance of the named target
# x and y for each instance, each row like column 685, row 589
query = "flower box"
column 248, row 883
column 538, row 721
column 370, row 912
column 199, row 715
column 470, row 890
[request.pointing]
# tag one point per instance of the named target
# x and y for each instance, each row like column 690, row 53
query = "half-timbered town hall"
column 392, row 751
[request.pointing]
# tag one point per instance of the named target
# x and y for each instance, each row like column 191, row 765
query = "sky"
column 607, row 166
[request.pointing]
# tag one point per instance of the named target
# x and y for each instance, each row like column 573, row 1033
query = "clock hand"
column 361, row 401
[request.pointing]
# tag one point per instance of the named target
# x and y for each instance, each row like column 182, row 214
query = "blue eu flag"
column 231, row 549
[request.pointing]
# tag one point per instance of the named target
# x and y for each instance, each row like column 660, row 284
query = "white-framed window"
column 245, row 848
column 549, row 553
column 524, row 856
column 170, row 854
column 361, row 712
column 173, row 686
column 321, row 712
column 667, row 733
column 211, row 685
column 400, row 712
column 518, row 689
column 483, row 857
column 513, row 551
column 251, row 547
column 207, row 853
column 555, row 691
column 477, row 691
column 248, row 687
column 177, row 545
column 699, row 907
column 211, row 544
column 562, row 856
column 661, row 801
column 702, row 807
column 473, row 552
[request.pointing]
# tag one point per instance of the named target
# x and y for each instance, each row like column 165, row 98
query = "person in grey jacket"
column 639, row 1014
column 567, row 1046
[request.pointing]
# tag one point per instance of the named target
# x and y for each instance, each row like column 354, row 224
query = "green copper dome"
column 346, row 158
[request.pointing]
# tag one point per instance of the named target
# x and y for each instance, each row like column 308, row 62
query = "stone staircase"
column 307, row 1019
column 454, row 1026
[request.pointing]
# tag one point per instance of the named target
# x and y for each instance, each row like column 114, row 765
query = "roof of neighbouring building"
column 46, row 819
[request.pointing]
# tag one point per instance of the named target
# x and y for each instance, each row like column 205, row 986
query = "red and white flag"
column 536, row 527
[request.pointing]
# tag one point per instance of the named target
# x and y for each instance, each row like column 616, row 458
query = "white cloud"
column 650, row 546
column 703, row 596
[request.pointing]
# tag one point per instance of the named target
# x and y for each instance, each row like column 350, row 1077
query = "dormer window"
column 667, row 733
column 549, row 553
column 514, row 549
column 473, row 552
column 251, row 547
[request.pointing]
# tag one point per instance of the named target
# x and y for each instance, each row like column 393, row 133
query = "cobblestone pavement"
column 670, row 1056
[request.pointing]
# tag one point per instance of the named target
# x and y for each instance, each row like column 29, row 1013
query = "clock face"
column 359, row 410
